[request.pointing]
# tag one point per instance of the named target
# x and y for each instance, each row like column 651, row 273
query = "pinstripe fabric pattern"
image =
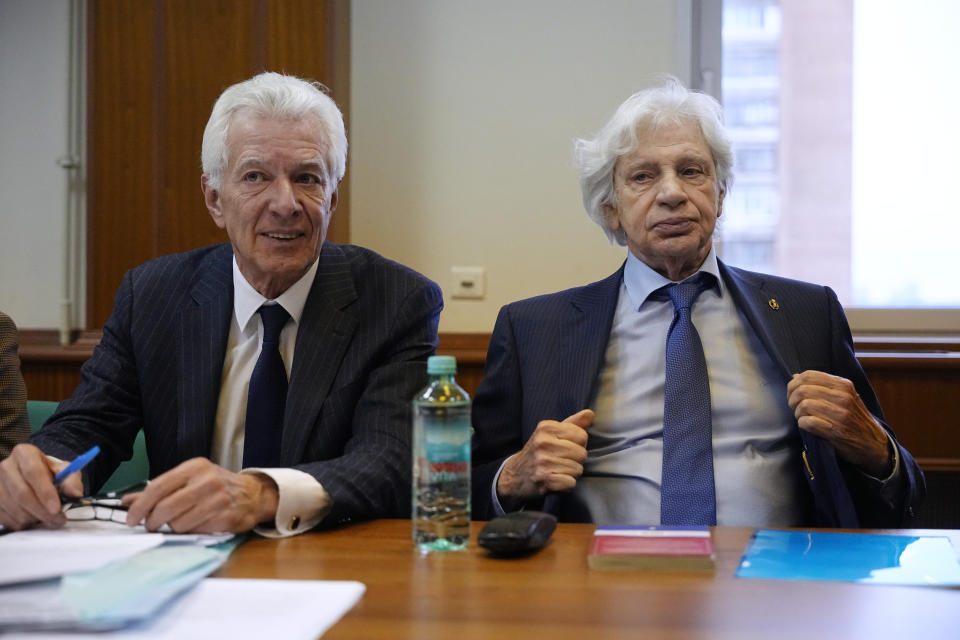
column 368, row 326
column 545, row 357
column 14, row 422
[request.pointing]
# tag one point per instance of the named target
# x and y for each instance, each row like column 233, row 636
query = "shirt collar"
column 640, row 280
column 246, row 299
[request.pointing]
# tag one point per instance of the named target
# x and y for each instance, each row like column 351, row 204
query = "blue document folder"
column 851, row 557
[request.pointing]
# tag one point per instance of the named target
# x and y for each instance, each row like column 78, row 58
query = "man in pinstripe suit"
column 572, row 403
column 178, row 351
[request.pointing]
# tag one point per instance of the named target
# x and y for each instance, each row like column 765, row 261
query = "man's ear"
column 612, row 217
column 211, row 197
column 720, row 203
column 334, row 199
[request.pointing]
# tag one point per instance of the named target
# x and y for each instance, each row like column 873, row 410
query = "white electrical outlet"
column 469, row 282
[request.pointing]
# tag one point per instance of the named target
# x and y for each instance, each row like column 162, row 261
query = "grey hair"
column 273, row 95
column 669, row 103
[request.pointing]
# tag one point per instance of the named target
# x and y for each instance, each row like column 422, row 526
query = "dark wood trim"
column 466, row 347
column 949, row 465
column 906, row 343
column 909, row 360
column 472, row 348
column 43, row 346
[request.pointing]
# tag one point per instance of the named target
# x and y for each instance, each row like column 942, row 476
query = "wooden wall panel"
column 301, row 37
column 155, row 69
column 920, row 396
column 204, row 47
column 121, row 158
column 297, row 36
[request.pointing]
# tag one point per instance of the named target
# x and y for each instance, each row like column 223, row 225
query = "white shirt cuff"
column 497, row 507
column 302, row 503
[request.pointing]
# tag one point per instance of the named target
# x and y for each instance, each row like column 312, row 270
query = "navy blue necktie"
column 267, row 396
column 688, row 496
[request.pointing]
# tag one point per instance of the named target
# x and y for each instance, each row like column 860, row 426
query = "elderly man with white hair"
column 271, row 374
column 680, row 390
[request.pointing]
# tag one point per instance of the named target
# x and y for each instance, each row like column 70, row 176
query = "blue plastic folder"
column 851, row 557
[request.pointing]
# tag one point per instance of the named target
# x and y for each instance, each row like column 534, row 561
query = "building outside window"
column 842, row 114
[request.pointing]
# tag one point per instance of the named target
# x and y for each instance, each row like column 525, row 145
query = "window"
column 841, row 114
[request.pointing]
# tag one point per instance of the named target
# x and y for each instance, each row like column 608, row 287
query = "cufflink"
column 774, row 304
column 293, row 523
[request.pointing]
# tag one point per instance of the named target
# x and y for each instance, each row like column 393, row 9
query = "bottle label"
column 447, row 443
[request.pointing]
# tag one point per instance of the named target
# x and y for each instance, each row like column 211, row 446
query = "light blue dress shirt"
column 755, row 442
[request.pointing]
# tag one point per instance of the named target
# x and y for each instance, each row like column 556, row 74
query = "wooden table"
column 553, row 594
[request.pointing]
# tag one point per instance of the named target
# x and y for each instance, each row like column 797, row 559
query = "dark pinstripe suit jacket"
column 14, row 423
column 546, row 353
column 367, row 328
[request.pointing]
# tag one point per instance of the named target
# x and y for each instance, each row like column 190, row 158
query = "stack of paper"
column 67, row 579
column 98, row 576
column 239, row 609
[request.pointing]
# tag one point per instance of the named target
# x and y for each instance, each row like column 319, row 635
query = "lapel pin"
column 773, row 304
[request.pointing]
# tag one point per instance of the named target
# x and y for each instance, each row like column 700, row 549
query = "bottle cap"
column 441, row 365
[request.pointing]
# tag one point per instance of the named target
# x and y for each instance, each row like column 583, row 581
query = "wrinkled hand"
column 198, row 496
column 830, row 407
column 27, row 494
column 551, row 460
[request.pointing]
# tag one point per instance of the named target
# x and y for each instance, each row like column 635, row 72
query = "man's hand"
column 27, row 494
column 198, row 496
column 551, row 460
column 830, row 407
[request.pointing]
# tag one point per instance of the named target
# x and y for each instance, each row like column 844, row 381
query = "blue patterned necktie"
column 688, row 496
column 267, row 396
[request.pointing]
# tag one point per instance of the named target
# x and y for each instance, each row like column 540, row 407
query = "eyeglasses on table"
column 104, row 506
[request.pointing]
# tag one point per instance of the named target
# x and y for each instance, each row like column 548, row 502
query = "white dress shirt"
column 303, row 502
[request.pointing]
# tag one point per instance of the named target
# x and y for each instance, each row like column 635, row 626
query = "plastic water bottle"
column 441, row 460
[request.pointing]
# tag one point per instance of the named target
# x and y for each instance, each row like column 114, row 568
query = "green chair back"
column 39, row 411
column 129, row 472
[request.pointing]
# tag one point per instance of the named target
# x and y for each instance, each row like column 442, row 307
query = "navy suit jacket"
column 546, row 353
column 367, row 328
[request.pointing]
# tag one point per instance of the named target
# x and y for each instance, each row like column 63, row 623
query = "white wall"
column 462, row 120
column 34, row 40
column 463, row 115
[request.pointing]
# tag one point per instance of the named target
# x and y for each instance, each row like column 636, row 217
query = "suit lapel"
column 584, row 341
column 768, row 313
column 326, row 328
column 204, row 328
column 583, row 335
column 754, row 295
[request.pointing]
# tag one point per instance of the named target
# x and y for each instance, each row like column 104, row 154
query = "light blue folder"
column 851, row 557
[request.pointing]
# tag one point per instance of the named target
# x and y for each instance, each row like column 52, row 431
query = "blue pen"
column 76, row 464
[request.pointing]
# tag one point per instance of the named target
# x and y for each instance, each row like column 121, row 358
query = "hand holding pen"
column 77, row 464
column 31, row 485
